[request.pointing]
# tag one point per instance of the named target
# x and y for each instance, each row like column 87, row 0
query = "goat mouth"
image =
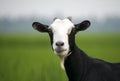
column 59, row 51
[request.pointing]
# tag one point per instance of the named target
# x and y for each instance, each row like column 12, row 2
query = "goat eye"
column 73, row 29
column 49, row 30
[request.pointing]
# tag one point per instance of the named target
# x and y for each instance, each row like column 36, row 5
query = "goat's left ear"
column 82, row 26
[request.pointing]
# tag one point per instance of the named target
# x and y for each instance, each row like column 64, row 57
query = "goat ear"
column 40, row 27
column 82, row 26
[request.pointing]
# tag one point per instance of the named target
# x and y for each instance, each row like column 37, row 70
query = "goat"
column 78, row 65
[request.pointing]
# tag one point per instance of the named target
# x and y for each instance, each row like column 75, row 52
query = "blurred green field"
column 30, row 57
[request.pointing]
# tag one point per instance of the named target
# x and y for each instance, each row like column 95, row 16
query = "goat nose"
column 59, row 43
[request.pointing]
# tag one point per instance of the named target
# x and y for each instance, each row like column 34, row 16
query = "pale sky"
column 51, row 8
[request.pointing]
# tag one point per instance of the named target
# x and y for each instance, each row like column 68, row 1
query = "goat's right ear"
column 40, row 27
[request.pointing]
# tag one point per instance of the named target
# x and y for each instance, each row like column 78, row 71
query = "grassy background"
column 30, row 57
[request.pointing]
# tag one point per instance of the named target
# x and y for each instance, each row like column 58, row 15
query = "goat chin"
column 62, row 59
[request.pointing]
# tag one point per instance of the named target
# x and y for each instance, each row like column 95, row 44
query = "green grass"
column 30, row 58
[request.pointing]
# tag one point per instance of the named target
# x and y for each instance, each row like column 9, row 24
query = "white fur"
column 61, row 29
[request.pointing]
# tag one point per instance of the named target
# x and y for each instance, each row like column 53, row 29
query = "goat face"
column 62, row 34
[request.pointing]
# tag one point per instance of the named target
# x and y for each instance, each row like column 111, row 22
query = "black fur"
column 40, row 27
column 78, row 65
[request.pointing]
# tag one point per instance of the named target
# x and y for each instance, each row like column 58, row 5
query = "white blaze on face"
column 61, row 29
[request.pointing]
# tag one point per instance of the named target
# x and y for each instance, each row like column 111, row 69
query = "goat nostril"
column 62, row 44
column 59, row 43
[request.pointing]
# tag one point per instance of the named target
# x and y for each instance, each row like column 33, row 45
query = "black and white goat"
column 78, row 65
